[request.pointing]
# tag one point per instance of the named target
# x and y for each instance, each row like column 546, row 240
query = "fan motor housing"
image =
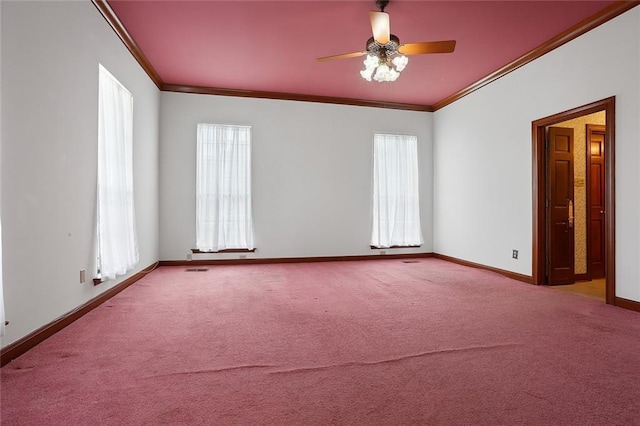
column 375, row 48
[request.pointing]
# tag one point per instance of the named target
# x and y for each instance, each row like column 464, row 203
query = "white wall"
column 50, row 56
column 482, row 150
column 2, row 320
column 311, row 165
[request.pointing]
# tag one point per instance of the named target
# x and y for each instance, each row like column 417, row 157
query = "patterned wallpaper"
column 579, row 126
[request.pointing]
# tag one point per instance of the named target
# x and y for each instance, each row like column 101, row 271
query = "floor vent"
column 196, row 270
column 410, row 261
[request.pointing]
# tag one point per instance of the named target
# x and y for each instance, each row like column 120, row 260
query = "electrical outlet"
column 383, row 252
column 515, row 254
column 189, row 256
column 83, row 275
column 243, row 256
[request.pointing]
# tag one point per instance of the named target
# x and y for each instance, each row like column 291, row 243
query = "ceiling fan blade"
column 342, row 56
column 380, row 27
column 446, row 46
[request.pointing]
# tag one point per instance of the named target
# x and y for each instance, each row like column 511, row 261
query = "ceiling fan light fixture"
column 385, row 73
column 386, row 58
column 383, row 69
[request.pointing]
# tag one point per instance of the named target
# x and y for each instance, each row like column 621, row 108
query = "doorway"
column 593, row 262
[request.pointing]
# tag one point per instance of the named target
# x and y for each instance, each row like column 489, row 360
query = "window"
column 396, row 202
column 117, row 243
column 223, row 188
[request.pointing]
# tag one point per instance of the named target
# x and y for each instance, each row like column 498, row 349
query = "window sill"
column 394, row 247
column 225, row 251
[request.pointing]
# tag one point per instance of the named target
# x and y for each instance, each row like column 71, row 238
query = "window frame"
column 115, row 144
column 225, row 194
column 375, row 236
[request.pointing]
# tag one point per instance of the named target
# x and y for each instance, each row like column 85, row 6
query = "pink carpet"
column 345, row 343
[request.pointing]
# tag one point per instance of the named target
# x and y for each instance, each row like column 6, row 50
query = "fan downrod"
column 382, row 4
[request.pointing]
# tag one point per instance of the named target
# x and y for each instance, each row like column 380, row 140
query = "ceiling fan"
column 386, row 57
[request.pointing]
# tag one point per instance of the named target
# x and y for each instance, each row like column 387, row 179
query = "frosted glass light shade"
column 400, row 62
column 383, row 70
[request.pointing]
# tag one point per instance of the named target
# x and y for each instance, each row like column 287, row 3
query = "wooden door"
column 560, row 230
column 595, row 196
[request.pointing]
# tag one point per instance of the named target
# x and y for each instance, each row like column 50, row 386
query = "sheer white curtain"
column 396, row 200
column 223, row 188
column 117, row 242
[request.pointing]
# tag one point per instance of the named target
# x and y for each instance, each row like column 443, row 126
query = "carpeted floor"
column 346, row 343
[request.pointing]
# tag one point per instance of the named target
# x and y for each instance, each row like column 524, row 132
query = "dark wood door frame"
column 538, row 128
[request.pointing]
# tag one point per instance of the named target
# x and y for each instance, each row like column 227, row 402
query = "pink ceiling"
column 273, row 45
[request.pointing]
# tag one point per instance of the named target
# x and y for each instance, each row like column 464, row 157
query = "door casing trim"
column 538, row 192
